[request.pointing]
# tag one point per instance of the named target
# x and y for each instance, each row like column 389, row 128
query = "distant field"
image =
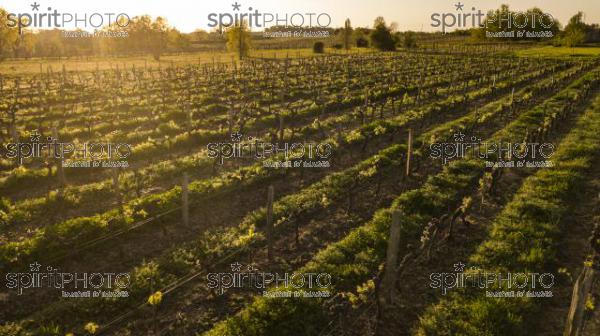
column 549, row 51
column 35, row 65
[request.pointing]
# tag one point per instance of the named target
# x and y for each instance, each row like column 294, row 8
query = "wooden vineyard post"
column 420, row 86
column 16, row 140
column 118, row 196
column 269, row 228
column 409, row 152
column 391, row 261
column 190, row 119
column 581, row 289
column 185, row 205
column 60, row 172
column 512, row 99
column 281, row 128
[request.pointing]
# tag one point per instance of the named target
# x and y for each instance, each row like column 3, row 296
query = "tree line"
column 576, row 32
column 144, row 35
column 156, row 37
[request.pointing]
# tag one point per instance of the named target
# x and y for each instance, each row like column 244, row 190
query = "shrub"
column 409, row 40
column 381, row 36
column 318, row 47
column 362, row 42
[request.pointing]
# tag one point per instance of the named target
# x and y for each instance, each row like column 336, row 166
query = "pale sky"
column 188, row 15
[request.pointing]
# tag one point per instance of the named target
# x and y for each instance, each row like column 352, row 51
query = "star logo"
column 236, row 6
column 459, row 6
column 35, row 6
column 459, row 137
column 34, row 267
column 235, row 267
column 236, row 137
column 459, row 267
column 34, row 136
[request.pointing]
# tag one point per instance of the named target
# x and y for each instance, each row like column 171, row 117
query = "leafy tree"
column 381, row 36
column 177, row 41
column 144, row 36
column 573, row 38
column 575, row 31
column 318, row 47
column 360, row 38
column 199, row 35
column 9, row 36
column 362, row 42
column 158, row 37
column 347, row 34
column 239, row 39
column 409, row 40
column 49, row 43
column 26, row 46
